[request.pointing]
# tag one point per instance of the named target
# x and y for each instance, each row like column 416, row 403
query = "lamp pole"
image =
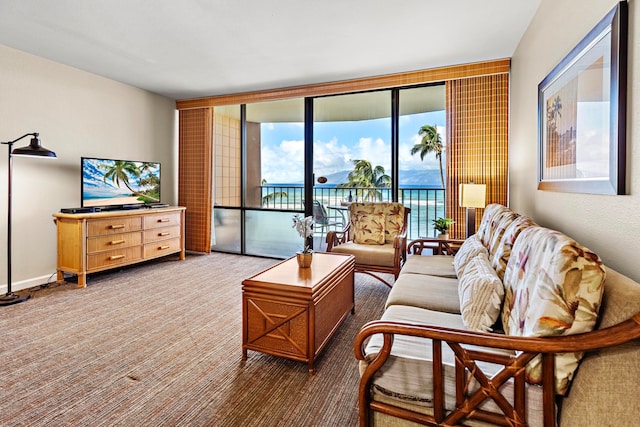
column 33, row 149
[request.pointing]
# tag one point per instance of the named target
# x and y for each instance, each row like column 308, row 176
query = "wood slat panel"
column 477, row 145
column 195, row 176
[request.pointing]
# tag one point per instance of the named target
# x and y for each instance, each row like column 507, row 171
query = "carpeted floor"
column 159, row 344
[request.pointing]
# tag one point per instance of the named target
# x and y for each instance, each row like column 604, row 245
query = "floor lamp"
column 33, row 149
column 472, row 196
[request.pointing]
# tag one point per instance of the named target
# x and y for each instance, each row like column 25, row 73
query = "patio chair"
column 322, row 220
column 376, row 235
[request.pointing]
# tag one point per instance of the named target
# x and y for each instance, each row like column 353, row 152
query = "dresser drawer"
column 115, row 241
column 157, row 234
column 165, row 247
column 102, row 227
column 167, row 219
column 107, row 259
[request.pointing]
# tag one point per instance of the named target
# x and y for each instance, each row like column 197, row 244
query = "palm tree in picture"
column 367, row 178
column 431, row 142
column 121, row 171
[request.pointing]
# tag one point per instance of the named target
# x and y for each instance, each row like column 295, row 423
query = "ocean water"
column 426, row 203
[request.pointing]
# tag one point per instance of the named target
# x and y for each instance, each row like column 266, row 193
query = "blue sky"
column 338, row 143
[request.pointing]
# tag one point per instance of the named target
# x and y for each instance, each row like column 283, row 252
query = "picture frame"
column 582, row 113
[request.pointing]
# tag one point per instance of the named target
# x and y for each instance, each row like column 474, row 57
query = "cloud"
column 330, row 157
column 283, row 163
column 283, row 159
column 376, row 151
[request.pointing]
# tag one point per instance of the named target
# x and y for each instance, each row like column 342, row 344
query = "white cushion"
column 471, row 247
column 481, row 293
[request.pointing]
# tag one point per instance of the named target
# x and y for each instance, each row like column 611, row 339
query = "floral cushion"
column 484, row 230
column 499, row 224
column 502, row 251
column 368, row 229
column 469, row 249
column 393, row 216
column 553, row 286
column 481, row 292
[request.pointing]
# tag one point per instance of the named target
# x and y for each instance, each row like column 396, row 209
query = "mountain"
column 422, row 178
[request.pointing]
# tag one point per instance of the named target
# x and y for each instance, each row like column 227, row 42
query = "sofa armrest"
column 467, row 401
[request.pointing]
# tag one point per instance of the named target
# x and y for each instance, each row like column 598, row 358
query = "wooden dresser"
column 98, row 241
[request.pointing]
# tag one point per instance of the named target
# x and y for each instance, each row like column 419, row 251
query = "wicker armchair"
column 376, row 235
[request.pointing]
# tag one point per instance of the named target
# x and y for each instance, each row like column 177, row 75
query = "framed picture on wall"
column 582, row 113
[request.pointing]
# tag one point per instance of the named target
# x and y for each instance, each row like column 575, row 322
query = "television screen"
column 119, row 183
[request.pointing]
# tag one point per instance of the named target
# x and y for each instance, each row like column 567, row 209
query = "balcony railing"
column 426, row 204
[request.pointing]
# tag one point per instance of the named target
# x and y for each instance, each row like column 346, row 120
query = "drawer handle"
column 115, row 257
column 117, row 242
column 166, row 233
column 161, row 248
column 164, row 220
column 116, row 226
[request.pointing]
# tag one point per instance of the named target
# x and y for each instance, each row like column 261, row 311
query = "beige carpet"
column 160, row 345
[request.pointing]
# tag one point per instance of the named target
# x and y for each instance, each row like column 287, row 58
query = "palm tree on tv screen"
column 122, row 170
column 431, row 143
column 365, row 176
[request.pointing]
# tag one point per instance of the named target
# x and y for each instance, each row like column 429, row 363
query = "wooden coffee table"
column 292, row 312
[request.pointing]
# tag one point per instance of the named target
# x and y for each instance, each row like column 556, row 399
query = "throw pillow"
column 553, row 286
column 484, row 230
column 503, row 248
column 394, row 220
column 368, row 229
column 481, row 292
column 499, row 224
column 470, row 248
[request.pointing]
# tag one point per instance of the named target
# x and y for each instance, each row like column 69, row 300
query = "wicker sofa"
column 524, row 326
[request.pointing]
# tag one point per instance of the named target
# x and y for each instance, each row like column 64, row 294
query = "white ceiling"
column 195, row 48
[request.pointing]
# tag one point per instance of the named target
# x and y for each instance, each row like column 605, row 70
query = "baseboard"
column 26, row 284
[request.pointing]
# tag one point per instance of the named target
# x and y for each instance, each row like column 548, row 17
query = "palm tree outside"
column 273, row 196
column 367, row 179
column 431, row 143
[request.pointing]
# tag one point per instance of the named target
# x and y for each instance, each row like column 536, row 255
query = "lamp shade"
column 35, row 148
column 473, row 195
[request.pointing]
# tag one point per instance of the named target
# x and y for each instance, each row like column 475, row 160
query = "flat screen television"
column 119, row 184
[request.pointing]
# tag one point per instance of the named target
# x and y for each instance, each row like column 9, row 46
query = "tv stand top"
column 114, row 211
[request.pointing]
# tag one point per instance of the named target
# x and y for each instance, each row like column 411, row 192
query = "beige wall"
column 77, row 114
column 609, row 225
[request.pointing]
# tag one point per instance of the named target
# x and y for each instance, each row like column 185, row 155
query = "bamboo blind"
column 195, row 176
column 432, row 75
column 477, row 142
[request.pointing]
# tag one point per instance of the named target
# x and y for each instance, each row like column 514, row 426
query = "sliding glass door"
column 226, row 227
column 421, row 156
column 274, row 176
column 346, row 148
column 351, row 155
